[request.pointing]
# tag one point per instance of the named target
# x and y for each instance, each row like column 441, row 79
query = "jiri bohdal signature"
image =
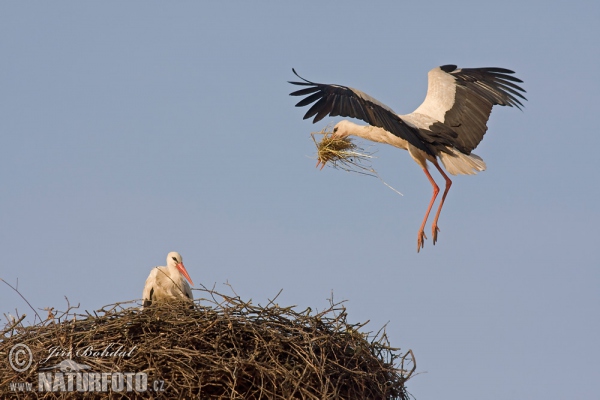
column 112, row 350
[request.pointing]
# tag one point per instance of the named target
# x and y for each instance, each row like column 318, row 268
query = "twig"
column 15, row 323
column 414, row 361
column 19, row 293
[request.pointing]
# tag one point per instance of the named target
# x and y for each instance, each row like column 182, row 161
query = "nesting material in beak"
column 342, row 153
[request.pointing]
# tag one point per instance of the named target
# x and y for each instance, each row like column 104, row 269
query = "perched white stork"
column 448, row 125
column 168, row 283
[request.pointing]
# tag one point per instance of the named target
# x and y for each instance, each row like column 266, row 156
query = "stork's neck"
column 369, row 132
column 173, row 271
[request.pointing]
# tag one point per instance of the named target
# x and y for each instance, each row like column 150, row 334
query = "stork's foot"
column 434, row 232
column 420, row 241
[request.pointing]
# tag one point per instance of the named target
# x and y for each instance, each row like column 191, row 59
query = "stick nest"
column 220, row 348
column 342, row 153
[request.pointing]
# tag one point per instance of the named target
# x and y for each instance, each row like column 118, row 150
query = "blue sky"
column 131, row 129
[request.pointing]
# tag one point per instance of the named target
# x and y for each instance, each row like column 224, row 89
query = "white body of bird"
column 168, row 283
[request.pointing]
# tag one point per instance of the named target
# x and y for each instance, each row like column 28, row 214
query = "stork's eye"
column 174, row 259
column 335, row 129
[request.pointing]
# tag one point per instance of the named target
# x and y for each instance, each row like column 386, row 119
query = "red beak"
column 184, row 272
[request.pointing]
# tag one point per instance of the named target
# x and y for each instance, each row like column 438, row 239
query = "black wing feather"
column 304, row 92
column 308, row 100
column 493, row 84
column 148, row 302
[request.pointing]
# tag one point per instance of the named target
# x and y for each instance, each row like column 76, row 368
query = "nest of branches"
column 219, row 348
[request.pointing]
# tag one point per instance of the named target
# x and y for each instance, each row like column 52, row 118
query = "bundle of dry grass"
column 342, row 153
column 221, row 348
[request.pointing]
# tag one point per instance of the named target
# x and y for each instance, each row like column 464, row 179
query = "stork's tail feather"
column 456, row 162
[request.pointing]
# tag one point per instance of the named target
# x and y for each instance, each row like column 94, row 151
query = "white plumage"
column 168, row 283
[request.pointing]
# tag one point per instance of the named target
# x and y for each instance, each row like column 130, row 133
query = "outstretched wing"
column 462, row 99
column 337, row 100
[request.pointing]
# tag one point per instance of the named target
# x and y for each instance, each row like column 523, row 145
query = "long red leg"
column 421, row 233
column 434, row 227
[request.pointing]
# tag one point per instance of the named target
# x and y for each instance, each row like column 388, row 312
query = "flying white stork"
column 448, row 125
column 168, row 283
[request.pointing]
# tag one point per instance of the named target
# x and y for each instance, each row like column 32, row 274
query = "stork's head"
column 174, row 260
column 343, row 129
